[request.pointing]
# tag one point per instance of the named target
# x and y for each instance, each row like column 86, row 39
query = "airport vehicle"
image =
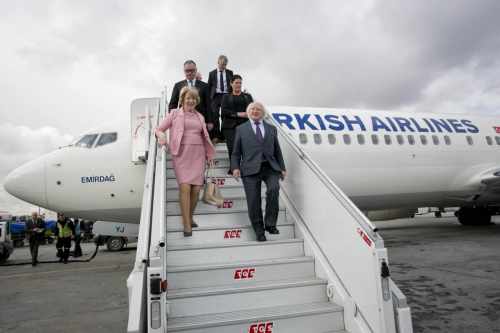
column 17, row 233
column 388, row 163
column 6, row 246
column 115, row 235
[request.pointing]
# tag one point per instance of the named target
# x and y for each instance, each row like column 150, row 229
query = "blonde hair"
column 258, row 105
column 188, row 91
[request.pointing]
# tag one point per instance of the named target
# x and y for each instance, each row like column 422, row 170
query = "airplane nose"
column 27, row 182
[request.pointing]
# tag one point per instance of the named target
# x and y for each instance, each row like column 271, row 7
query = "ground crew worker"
column 35, row 229
column 64, row 232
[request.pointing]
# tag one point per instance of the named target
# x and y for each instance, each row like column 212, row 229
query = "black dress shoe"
column 272, row 230
column 261, row 238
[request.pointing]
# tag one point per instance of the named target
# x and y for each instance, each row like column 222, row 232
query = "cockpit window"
column 86, row 141
column 106, row 138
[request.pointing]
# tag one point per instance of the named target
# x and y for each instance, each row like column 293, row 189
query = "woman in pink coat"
column 191, row 148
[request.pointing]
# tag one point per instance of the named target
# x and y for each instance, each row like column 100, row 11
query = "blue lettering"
column 403, row 124
column 389, row 120
column 335, row 124
column 441, row 124
column 320, row 122
column 457, row 126
column 284, row 119
column 417, row 126
column 429, row 125
column 302, row 120
column 470, row 127
column 377, row 124
column 355, row 121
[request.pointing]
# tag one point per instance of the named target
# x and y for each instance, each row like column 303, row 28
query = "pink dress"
column 189, row 163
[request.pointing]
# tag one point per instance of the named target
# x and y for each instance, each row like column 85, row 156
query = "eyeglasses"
column 189, row 70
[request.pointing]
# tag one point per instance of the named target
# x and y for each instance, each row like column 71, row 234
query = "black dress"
column 231, row 105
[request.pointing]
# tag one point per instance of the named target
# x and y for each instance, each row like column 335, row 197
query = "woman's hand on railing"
column 211, row 163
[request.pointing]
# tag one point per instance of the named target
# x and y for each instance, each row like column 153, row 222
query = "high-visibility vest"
column 64, row 231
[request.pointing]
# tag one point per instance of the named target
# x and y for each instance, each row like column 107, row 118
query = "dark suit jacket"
column 212, row 81
column 230, row 118
column 247, row 151
column 204, row 105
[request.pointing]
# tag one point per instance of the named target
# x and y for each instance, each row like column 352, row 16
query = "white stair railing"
column 348, row 251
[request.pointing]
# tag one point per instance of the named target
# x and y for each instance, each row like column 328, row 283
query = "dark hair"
column 236, row 77
column 188, row 62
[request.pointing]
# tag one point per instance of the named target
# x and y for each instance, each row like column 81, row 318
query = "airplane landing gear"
column 473, row 216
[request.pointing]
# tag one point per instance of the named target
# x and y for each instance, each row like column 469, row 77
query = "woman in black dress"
column 234, row 106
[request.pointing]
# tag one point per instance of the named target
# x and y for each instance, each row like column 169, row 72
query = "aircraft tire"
column 115, row 243
column 473, row 216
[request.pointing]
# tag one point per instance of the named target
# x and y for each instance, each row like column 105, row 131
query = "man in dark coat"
column 35, row 229
column 257, row 158
column 190, row 71
column 218, row 85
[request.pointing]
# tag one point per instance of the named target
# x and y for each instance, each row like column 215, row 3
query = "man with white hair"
column 257, row 158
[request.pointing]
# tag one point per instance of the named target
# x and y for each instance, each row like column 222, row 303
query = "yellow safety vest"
column 64, row 231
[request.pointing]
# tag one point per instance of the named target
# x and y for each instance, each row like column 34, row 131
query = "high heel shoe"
column 188, row 233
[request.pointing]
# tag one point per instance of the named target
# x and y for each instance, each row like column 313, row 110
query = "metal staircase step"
column 319, row 317
column 222, row 218
column 241, row 272
column 224, row 234
column 228, row 252
column 221, row 181
column 220, row 162
column 226, row 191
column 216, row 172
column 219, row 154
column 215, row 299
column 230, row 205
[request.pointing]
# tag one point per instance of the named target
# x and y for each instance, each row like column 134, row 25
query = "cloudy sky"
column 70, row 65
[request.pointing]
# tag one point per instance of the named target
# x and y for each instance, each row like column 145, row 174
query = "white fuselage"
column 103, row 184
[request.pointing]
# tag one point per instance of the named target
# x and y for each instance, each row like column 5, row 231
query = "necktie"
column 190, row 83
column 258, row 132
column 221, row 79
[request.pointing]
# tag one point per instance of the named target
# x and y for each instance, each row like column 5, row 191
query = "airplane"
column 388, row 163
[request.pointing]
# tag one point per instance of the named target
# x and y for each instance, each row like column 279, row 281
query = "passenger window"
column 435, row 139
column 361, row 139
column 303, row 138
column 331, row 139
column 106, row 138
column 469, row 140
column 489, row 140
column 400, row 139
column 317, row 138
column 411, row 139
column 497, row 139
column 387, row 139
column 447, row 140
column 423, row 139
column 375, row 139
column 87, row 141
column 347, row 139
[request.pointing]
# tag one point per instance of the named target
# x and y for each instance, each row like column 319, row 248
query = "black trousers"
column 253, row 190
column 34, row 244
column 78, row 248
column 229, row 136
column 216, row 104
column 63, row 243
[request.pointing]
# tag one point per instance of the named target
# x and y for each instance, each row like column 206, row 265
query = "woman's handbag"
column 211, row 192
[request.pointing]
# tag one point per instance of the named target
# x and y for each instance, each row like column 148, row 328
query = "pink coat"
column 175, row 121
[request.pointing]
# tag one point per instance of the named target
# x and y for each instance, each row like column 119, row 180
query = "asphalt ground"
column 449, row 273
column 73, row 297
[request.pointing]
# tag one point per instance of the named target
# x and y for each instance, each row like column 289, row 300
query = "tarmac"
column 449, row 273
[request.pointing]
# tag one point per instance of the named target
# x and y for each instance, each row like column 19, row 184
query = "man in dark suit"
column 257, row 158
column 218, row 84
column 204, row 107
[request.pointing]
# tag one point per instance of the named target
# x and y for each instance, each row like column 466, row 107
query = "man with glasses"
column 190, row 72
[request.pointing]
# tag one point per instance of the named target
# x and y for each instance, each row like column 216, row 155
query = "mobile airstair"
column 327, row 270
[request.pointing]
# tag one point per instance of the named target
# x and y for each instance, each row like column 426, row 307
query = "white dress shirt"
column 261, row 126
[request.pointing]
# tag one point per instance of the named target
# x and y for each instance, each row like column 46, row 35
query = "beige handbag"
column 211, row 192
